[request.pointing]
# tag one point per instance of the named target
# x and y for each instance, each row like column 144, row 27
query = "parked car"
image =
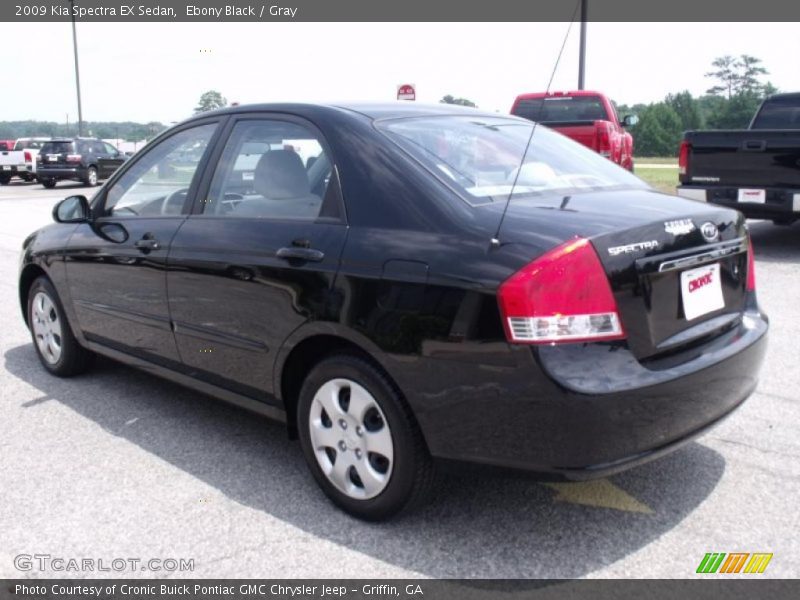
column 389, row 305
column 586, row 117
column 80, row 159
column 754, row 170
column 19, row 160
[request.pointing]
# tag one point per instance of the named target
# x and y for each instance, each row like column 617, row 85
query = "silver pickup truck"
column 21, row 161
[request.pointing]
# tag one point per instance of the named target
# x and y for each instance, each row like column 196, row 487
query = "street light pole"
column 582, row 58
column 77, row 73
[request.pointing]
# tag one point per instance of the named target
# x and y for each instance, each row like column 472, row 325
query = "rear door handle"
column 755, row 145
column 295, row 253
column 146, row 244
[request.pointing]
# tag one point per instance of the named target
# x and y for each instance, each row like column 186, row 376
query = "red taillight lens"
column 72, row 158
column 683, row 158
column 603, row 138
column 28, row 157
column 751, row 267
column 562, row 296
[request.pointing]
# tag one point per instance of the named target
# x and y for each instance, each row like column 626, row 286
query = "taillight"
column 73, row 158
column 28, row 157
column 751, row 267
column 683, row 157
column 603, row 138
column 562, row 296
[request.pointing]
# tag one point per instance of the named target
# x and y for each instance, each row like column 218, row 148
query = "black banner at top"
column 397, row 10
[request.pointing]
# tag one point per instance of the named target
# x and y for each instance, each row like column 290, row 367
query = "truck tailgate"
column 752, row 158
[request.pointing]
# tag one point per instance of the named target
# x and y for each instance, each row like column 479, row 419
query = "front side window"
column 270, row 169
column 482, row 157
column 157, row 183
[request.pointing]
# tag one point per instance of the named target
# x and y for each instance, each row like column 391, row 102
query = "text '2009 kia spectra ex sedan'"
column 404, row 283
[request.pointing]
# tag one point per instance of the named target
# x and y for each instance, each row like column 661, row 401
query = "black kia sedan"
column 401, row 284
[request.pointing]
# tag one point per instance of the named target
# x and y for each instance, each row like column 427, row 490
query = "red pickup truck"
column 587, row 117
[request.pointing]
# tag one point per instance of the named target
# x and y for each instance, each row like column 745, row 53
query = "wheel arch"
column 306, row 350
column 29, row 273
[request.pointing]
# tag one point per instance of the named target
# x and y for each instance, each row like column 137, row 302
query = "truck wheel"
column 28, row 177
column 48, row 183
column 360, row 439
column 4, row 179
column 91, row 177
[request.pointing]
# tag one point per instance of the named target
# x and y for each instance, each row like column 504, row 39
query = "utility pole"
column 77, row 73
column 582, row 58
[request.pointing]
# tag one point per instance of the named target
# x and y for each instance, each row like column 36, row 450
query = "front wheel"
column 361, row 440
column 58, row 350
column 48, row 183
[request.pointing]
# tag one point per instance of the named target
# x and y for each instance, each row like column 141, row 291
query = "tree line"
column 124, row 130
column 728, row 104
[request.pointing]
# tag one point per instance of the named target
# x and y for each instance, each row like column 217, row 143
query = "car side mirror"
column 74, row 209
column 630, row 120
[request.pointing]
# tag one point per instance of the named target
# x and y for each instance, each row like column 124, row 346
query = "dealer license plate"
column 753, row 196
column 701, row 291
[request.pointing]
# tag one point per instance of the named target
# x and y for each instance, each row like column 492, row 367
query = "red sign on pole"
column 406, row 91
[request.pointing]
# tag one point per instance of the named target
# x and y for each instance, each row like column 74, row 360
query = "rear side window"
column 57, row 148
column 779, row 113
column 270, row 169
column 561, row 109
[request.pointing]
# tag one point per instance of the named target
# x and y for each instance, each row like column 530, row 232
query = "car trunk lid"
column 677, row 269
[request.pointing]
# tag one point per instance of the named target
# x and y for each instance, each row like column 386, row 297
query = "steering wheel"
column 177, row 197
column 229, row 202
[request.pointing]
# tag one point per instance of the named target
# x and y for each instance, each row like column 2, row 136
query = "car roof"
column 371, row 110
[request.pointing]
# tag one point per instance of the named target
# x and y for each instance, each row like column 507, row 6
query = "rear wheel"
column 361, row 440
column 4, row 179
column 58, row 350
column 91, row 177
column 48, row 183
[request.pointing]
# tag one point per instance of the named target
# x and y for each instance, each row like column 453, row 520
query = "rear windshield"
column 481, row 157
column 34, row 144
column 561, row 109
column 778, row 113
column 57, row 148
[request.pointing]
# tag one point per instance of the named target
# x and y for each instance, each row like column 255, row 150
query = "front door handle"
column 295, row 253
column 146, row 244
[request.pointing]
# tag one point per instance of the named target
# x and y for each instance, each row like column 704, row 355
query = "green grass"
column 664, row 180
column 655, row 160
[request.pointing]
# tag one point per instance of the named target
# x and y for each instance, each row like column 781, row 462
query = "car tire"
column 4, row 179
column 56, row 346
column 91, row 177
column 48, row 183
column 350, row 411
column 28, row 177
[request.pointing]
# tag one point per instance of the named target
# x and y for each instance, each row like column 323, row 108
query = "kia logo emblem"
column 710, row 232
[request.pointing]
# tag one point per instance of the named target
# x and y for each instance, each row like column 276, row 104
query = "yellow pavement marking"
column 600, row 493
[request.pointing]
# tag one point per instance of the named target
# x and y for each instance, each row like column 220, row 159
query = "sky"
column 157, row 71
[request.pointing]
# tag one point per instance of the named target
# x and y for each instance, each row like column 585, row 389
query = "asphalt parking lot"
column 120, row 464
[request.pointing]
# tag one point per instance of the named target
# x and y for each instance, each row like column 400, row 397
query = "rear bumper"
column 61, row 172
column 13, row 170
column 781, row 203
column 582, row 411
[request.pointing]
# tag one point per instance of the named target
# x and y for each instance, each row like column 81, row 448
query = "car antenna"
column 496, row 239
